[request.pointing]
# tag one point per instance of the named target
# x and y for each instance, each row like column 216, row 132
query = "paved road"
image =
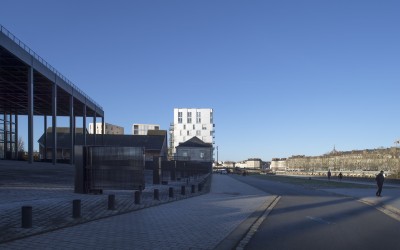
column 314, row 219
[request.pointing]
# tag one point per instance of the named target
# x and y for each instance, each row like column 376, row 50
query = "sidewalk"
column 200, row 222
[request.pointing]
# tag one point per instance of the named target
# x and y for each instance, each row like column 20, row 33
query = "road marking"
column 320, row 220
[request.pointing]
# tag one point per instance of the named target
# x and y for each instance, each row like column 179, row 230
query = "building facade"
column 109, row 129
column 142, row 129
column 189, row 123
column 194, row 149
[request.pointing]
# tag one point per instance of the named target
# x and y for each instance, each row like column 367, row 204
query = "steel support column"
column 84, row 124
column 30, row 115
column 94, row 128
column 54, row 122
column 71, row 128
column 11, row 137
column 45, row 136
column 5, row 135
column 103, row 127
column 16, row 135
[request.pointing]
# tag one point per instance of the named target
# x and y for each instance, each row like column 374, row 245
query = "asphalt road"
column 312, row 219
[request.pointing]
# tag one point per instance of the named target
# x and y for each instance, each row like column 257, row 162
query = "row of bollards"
column 26, row 211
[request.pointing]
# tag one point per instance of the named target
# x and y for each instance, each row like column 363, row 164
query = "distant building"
column 254, row 163
column 278, row 164
column 109, row 129
column 190, row 122
column 194, row 149
column 141, row 129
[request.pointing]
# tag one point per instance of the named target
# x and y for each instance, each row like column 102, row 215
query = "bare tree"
column 21, row 144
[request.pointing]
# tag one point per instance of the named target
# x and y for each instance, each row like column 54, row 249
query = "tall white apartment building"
column 141, row 129
column 190, row 122
column 109, row 129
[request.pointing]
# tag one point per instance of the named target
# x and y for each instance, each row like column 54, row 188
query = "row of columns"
column 72, row 123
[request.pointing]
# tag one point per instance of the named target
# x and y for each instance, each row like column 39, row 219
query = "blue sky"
column 283, row 77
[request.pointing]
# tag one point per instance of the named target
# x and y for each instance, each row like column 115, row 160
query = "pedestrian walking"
column 379, row 181
column 340, row 176
column 329, row 174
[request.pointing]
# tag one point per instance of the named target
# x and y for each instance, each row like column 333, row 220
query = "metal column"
column 45, row 137
column 94, row 128
column 54, row 122
column 17, row 142
column 5, row 135
column 71, row 128
column 103, row 127
column 84, row 124
column 30, row 115
column 11, row 137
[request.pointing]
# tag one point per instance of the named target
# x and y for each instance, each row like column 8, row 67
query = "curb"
column 390, row 211
column 240, row 236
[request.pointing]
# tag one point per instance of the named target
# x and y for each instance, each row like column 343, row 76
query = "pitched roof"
column 195, row 142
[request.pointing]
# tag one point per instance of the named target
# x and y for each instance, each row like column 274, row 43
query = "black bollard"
column 193, row 189
column 76, row 209
column 171, row 192
column 137, row 197
column 183, row 190
column 26, row 217
column 111, row 202
column 156, row 194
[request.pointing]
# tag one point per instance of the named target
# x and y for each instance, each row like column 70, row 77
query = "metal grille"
column 115, row 167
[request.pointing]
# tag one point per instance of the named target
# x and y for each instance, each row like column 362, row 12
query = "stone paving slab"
column 197, row 223
column 52, row 208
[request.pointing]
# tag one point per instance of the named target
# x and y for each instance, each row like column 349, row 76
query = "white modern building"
column 141, row 129
column 191, row 122
column 109, row 129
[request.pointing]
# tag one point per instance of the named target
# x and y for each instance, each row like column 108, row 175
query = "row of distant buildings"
column 190, row 136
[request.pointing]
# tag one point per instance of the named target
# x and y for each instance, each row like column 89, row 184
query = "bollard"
column 199, row 187
column 26, row 217
column 193, row 189
column 76, row 208
column 183, row 190
column 111, row 202
column 171, row 192
column 137, row 197
column 156, row 194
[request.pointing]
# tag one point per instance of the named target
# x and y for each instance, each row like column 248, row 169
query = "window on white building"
column 189, row 117
column 198, row 117
column 198, row 132
column 179, row 117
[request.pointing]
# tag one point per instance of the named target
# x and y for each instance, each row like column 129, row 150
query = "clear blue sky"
column 283, row 77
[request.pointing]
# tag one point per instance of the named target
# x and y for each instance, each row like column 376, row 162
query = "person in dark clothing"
column 379, row 181
column 340, row 176
column 329, row 174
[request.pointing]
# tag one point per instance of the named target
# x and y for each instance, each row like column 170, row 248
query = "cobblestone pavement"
column 39, row 186
column 197, row 223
